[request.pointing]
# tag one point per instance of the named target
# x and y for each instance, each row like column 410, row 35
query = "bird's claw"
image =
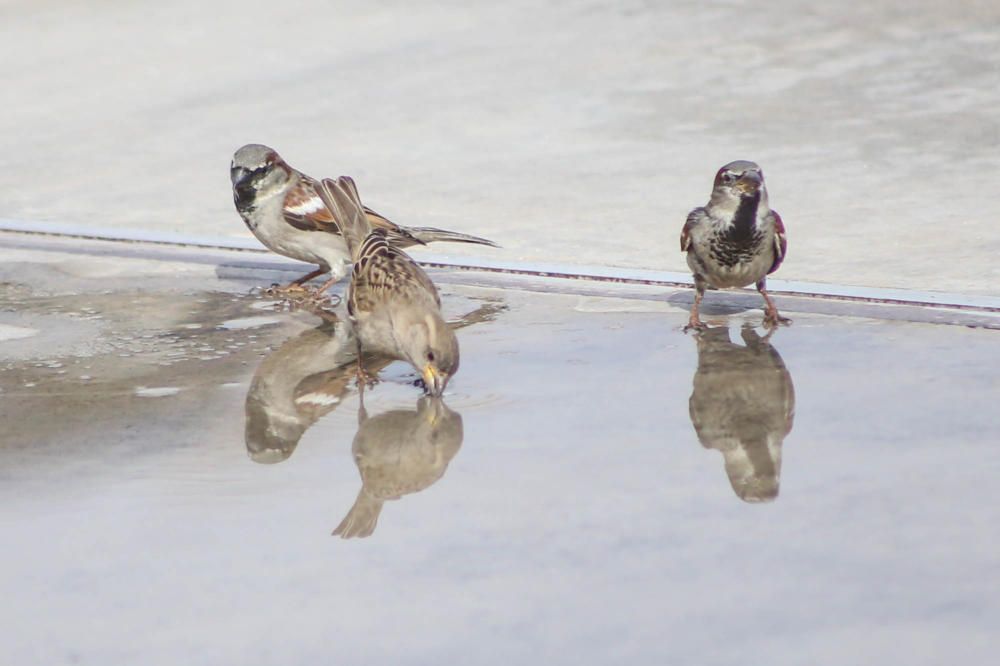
column 772, row 320
column 301, row 296
column 290, row 291
column 364, row 379
column 329, row 300
column 696, row 325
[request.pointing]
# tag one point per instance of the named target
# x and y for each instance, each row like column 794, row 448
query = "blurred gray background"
column 568, row 131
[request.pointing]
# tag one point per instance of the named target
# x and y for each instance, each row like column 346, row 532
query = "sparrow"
column 397, row 453
column 394, row 306
column 280, row 206
column 308, row 377
column 743, row 404
column 736, row 239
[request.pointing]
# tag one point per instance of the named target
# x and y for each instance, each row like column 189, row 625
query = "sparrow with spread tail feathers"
column 281, row 207
column 743, row 404
column 397, row 453
column 394, row 306
column 736, row 239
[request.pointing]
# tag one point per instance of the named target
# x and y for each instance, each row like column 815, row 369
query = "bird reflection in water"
column 399, row 452
column 307, row 377
column 296, row 385
column 743, row 405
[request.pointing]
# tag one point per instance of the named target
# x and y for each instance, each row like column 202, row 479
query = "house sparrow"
column 736, row 239
column 394, row 306
column 280, row 206
column 308, row 377
column 397, row 453
column 743, row 404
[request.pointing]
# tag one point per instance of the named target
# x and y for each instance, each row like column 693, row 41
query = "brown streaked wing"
column 379, row 221
column 693, row 218
column 780, row 242
column 384, row 275
column 397, row 235
column 305, row 211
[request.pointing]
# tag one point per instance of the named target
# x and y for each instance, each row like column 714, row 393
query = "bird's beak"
column 434, row 381
column 432, row 409
column 749, row 182
column 238, row 174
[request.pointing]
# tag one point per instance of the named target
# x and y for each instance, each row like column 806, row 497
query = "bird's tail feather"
column 360, row 521
column 342, row 199
column 430, row 235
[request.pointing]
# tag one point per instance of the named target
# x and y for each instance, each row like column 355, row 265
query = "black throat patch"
column 244, row 196
column 745, row 219
column 245, row 192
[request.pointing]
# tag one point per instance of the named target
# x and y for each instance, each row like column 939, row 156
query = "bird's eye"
column 728, row 177
column 430, row 356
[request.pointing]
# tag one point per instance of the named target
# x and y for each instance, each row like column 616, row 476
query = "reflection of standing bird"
column 295, row 386
column 399, row 452
column 394, row 306
column 736, row 239
column 743, row 404
column 280, row 206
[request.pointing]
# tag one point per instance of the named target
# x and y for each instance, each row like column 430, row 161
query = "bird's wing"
column 397, row 235
column 383, row 276
column 356, row 220
column 341, row 197
column 693, row 218
column 386, row 275
column 780, row 242
column 304, row 209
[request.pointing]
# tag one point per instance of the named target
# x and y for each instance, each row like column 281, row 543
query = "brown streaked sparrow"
column 280, row 206
column 308, row 377
column 394, row 306
column 743, row 404
column 399, row 452
column 736, row 239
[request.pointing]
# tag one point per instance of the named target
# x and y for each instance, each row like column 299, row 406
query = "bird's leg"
column 320, row 292
column 694, row 321
column 363, row 376
column 362, row 412
column 295, row 287
column 771, row 317
column 308, row 276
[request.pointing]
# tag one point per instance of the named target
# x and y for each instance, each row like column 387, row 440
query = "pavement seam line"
column 560, row 272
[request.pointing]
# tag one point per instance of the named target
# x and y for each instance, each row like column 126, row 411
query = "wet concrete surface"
column 188, row 476
column 567, row 132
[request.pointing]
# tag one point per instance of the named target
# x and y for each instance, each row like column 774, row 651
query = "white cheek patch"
column 307, row 206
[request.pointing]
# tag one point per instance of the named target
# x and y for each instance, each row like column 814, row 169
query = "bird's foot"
column 752, row 339
column 289, row 291
column 365, row 379
column 324, row 300
column 772, row 320
column 695, row 325
column 298, row 295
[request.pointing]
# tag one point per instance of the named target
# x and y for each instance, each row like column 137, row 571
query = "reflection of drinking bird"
column 397, row 453
column 307, row 377
column 743, row 404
